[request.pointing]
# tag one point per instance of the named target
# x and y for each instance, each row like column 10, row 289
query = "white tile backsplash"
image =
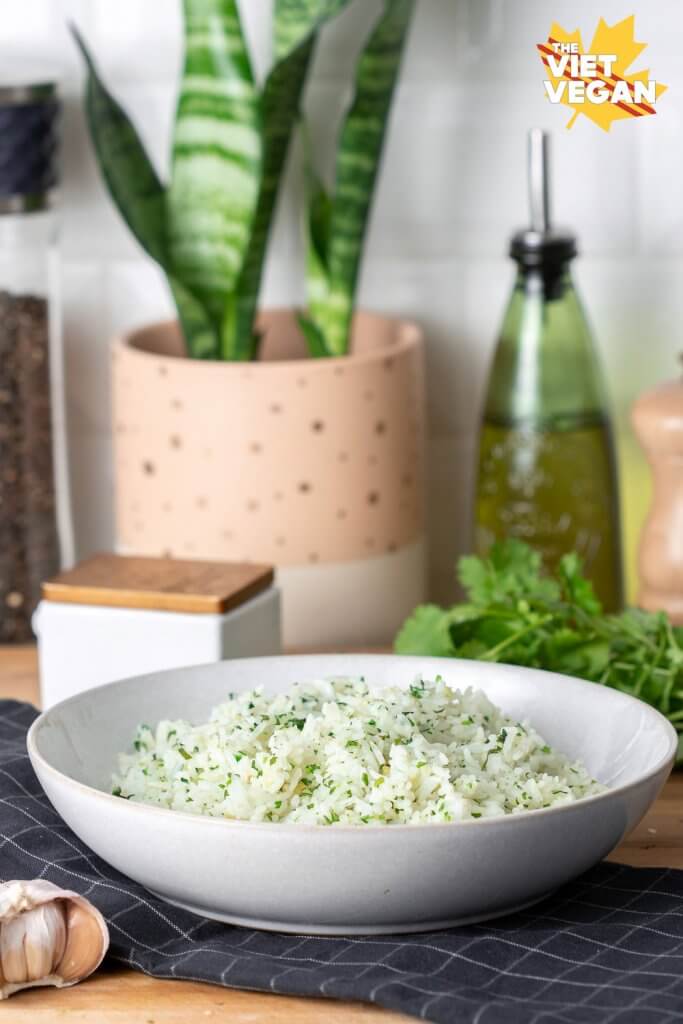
column 136, row 293
column 449, row 513
column 84, row 346
column 659, row 209
column 451, row 191
column 454, row 363
column 137, row 42
column 92, row 488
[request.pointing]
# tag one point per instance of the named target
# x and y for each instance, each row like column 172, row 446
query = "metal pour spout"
column 539, row 180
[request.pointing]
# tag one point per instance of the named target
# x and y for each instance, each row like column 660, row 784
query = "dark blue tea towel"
column 607, row 949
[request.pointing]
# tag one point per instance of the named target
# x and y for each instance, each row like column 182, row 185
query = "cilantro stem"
column 493, row 652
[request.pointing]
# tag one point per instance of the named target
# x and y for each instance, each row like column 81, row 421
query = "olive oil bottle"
column 546, row 465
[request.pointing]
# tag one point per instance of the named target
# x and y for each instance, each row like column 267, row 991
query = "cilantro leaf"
column 518, row 614
column 426, row 632
column 512, row 572
column 578, row 589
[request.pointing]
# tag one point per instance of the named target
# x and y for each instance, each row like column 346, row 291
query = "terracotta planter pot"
column 313, row 465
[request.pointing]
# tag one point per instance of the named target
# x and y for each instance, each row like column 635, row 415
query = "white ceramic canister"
column 112, row 617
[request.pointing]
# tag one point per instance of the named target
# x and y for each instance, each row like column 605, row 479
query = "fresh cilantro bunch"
column 516, row 614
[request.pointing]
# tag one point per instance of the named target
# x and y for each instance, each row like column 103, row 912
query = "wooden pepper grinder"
column 658, row 420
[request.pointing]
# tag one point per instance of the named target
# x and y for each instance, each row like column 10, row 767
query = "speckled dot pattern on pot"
column 289, row 460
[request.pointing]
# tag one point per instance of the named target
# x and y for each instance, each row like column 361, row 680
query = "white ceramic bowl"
column 352, row 879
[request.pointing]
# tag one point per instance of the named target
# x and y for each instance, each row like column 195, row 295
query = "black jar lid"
column 29, row 110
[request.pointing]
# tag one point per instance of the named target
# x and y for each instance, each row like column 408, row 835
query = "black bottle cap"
column 539, row 248
column 28, row 145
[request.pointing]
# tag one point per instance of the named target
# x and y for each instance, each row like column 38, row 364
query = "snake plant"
column 337, row 221
column 208, row 226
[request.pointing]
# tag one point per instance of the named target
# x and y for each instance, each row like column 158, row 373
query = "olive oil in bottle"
column 546, row 467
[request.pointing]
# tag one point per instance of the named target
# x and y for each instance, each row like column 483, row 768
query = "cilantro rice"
column 334, row 751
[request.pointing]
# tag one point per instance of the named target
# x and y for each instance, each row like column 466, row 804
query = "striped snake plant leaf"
column 319, row 222
column 280, row 106
column 137, row 191
column 297, row 23
column 328, row 316
column 217, row 155
column 313, row 336
column 332, row 279
column 127, row 170
column 295, row 20
column 319, row 205
column 199, row 333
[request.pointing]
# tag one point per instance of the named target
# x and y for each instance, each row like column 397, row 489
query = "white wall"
column 451, row 192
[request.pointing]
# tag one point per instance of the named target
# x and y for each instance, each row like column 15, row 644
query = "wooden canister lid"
column 161, row 584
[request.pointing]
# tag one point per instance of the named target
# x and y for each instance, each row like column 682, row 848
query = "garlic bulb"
column 48, row 936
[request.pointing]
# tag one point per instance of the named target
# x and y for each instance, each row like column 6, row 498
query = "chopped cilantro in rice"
column 336, row 752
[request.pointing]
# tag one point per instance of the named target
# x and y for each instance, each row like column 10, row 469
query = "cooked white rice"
column 334, row 751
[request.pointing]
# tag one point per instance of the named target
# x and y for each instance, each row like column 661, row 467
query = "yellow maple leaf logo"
column 617, row 96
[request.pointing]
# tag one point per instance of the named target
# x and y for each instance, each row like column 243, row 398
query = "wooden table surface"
column 116, row 996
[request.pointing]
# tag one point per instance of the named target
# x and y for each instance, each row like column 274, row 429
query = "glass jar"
column 29, row 544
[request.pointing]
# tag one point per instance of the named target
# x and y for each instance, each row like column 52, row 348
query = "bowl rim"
column 665, row 762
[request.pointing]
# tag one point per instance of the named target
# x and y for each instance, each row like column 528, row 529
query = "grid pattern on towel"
column 607, row 949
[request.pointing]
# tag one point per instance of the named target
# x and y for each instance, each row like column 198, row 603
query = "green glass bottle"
column 546, row 466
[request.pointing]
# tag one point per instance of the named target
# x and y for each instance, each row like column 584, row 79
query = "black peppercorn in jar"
column 29, row 546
